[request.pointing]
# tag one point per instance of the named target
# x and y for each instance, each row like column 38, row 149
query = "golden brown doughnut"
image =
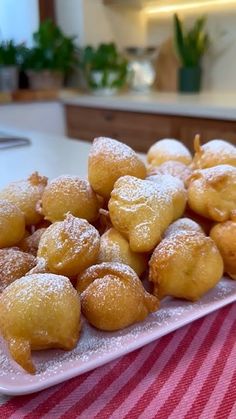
column 183, row 224
column 213, row 153
column 115, row 248
column 173, row 168
column 141, row 210
column 12, row 224
column 72, row 194
column 212, row 192
column 174, row 187
column 13, row 265
column 185, row 265
column 224, row 235
column 26, row 194
column 110, row 159
column 30, row 243
column 113, row 296
column 39, row 312
column 69, row 246
column 168, row 149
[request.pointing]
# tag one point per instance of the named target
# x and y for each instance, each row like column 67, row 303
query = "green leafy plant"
column 191, row 45
column 9, row 53
column 106, row 60
column 52, row 50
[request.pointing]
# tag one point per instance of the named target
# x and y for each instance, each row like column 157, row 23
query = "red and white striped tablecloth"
column 190, row 373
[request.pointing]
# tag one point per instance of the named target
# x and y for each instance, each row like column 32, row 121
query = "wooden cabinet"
column 141, row 130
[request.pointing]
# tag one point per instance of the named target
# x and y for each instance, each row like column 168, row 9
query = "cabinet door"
column 139, row 130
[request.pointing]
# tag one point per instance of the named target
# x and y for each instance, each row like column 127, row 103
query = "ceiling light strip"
column 149, row 10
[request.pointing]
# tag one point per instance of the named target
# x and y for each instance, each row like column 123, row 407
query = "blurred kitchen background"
column 135, row 70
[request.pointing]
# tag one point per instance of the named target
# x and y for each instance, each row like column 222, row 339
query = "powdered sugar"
column 7, row 208
column 76, row 233
column 40, row 285
column 221, row 147
column 96, row 347
column 13, row 265
column 173, row 168
column 112, row 149
column 66, row 184
column 183, row 224
column 170, row 147
column 137, row 191
column 168, row 183
column 26, row 194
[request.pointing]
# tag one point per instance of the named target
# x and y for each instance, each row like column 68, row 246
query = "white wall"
column 93, row 22
column 18, row 20
column 220, row 62
column 70, row 17
column 44, row 117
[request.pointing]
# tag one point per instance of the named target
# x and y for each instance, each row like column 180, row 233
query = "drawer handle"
column 109, row 117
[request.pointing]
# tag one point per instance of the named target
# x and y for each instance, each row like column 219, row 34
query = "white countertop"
column 204, row 105
column 49, row 155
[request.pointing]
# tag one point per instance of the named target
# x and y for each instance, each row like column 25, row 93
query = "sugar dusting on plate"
column 94, row 344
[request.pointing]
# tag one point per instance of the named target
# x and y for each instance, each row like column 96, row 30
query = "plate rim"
column 16, row 390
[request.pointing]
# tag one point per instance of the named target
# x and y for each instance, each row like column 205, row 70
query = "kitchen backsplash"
column 220, row 61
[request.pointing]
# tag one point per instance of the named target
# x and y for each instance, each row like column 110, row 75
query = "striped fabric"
column 190, row 373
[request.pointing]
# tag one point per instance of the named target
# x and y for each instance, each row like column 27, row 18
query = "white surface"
column 49, row 155
column 45, row 117
column 96, row 348
column 18, row 20
column 69, row 16
column 205, row 105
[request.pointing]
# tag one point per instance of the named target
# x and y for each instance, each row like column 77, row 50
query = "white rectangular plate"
column 97, row 348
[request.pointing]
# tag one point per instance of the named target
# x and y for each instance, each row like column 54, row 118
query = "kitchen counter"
column 50, row 155
column 204, row 105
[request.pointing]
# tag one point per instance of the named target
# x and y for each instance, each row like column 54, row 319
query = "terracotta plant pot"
column 45, row 80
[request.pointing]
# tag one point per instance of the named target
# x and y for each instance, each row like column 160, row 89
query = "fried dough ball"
column 30, row 243
column 115, row 248
column 72, row 194
column 69, row 246
column 173, row 168
column 26, row 194
column 113, row 296
column 212, row 192
column 168, row 149
column 12, row 224
column 183, row 224
column 185, row 265
column 213, row 153
column 39, row 312
column 224, row 235
column 110, row 159
column 175, row 188
column 13, row 265
column 141, row 210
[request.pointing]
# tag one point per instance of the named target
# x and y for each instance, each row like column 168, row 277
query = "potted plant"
column 51, row 57
column 104, row 68
column 8, row 66
column 190, row 46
